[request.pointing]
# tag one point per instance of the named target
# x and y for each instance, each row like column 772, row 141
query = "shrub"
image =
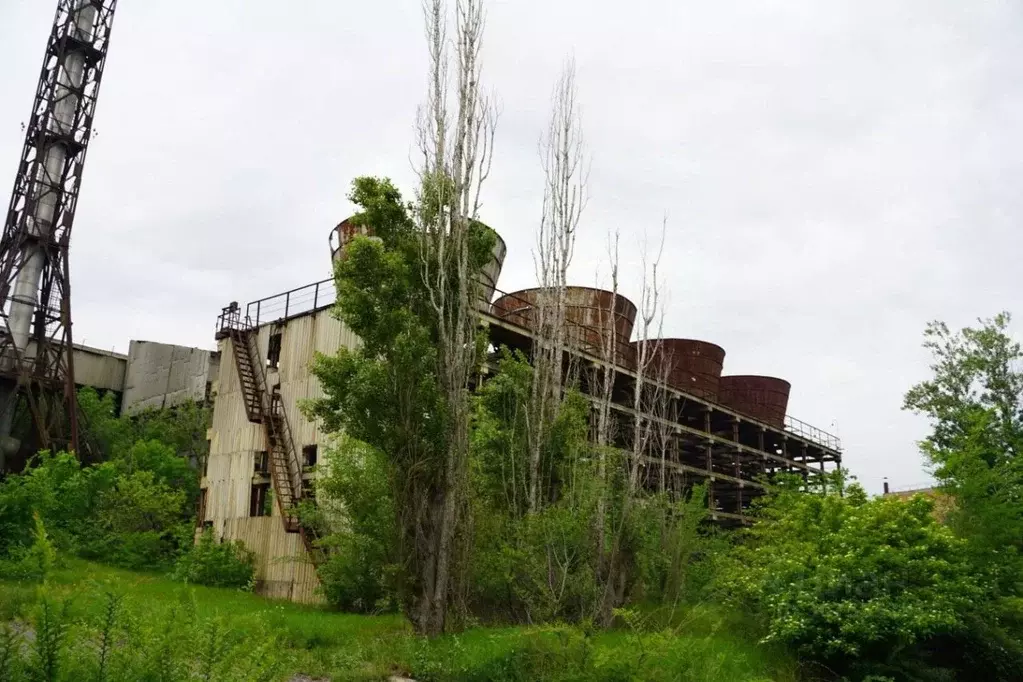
column 843, row 580
column 218, row 564
column 57, row 489
column 31, row 563
column 138, row 519
column 355, row 513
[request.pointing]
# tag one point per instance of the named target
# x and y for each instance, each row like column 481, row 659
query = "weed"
column 51, row 629
column 113, row 607
column 10, row 652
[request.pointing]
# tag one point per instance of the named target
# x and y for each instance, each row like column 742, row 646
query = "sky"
column 834, row 174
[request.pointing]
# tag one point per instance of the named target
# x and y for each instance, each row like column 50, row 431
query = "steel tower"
column 36, row 367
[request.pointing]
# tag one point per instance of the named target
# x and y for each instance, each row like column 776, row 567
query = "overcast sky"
column 835, row 174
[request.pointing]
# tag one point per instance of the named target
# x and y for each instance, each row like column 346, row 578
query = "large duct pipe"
column 25, row 298
column 46, row 192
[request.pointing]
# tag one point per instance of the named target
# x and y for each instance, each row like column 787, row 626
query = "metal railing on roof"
column 812, row 433
column 293, row 303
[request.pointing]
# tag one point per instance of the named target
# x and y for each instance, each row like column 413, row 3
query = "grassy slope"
column 340, row 646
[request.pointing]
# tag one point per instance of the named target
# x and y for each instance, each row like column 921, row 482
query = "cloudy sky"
column 835, row 173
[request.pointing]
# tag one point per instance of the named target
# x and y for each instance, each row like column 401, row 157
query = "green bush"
column 356, row 517
column 60, row 491
column 127, row 512
column 844, row 580
column 31, row 563
column 217, row 564
column 138, row 519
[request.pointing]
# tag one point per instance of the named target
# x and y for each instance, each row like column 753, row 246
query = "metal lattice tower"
column 36, row 367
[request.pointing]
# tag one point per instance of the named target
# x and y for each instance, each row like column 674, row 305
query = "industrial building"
column 151, row 376
column 725, row 431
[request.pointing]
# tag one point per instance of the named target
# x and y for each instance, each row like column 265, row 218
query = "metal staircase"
column 263, row 405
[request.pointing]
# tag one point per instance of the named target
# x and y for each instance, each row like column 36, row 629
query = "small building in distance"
column 943, row 502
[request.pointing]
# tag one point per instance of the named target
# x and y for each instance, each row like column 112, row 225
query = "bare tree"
column 613, row 569
column 564, row 198
column 602, row 379
column 664, row 409
column 651, row 312
column 455, row 134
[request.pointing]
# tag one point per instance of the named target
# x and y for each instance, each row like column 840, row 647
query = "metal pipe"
column 46, row 193
column 25, row 298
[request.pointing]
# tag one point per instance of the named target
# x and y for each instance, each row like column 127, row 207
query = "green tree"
column 61, row 492
column 845, row 580
column 389, row 392
column 140, row 520
column 538, row 559
column 357, row 515
column 101, row 425
column 973, row 401
column 182, row 427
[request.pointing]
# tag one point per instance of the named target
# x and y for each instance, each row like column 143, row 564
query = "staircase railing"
column 263, row 405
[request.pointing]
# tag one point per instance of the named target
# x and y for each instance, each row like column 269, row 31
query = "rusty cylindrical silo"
column 491, row 272
column 592, row 316
column 689, row 365
column 342, row 235
column 763, row 398
column 347, row 230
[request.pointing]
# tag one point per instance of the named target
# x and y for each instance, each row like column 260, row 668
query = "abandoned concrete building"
column 726, row 431
column 151, row 376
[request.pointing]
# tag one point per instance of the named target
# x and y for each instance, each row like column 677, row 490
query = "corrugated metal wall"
column 281, row 566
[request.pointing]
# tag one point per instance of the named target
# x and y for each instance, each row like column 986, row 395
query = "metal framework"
column 708, row 443
column 35, row 286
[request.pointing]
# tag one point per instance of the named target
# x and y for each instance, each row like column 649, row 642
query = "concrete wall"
column 101, row 369
column 160, row 375
column 281, row 568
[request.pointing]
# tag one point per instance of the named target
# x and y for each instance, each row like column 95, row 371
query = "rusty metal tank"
column 491, row 272
column 690, row 365
column 342, row 235
column 593, row 316
column 346, row 231
column 763, row 398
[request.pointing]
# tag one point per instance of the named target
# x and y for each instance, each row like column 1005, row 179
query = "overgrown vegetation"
column 474, row 486
column 554, row 530
column 861, row 586
column 134, row 508
column 217, row 564
column 102, row 623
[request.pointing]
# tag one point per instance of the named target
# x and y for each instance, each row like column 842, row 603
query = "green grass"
column 319, row 643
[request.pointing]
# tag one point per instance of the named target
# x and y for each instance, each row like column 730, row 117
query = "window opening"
column 273, row 354
column 258, row 500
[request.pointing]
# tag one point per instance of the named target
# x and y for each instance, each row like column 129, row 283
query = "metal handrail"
column 292, row 303
column 312, row 297
column 271, row 405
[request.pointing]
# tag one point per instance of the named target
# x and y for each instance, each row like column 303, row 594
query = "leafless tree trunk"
column 662, row 406
column 602, row 380
column 564, row 198
column 614, row 566
column 644, row 391
column 456, row 146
